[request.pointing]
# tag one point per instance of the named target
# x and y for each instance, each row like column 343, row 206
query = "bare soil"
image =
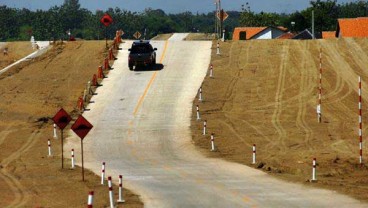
column 16, row 51
column 162, row 36
column 265, row 92
column 200, row 36
column 31, row 93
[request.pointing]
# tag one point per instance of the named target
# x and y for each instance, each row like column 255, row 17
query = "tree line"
column 54, row 23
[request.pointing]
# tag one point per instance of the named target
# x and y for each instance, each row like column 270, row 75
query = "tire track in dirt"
column 305, row 78
column 21, row 198
column 279, row 95
column 4, row 133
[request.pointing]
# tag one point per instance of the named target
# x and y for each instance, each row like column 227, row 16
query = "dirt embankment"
column 16, row 51
column 266, row 92
column 31, row 93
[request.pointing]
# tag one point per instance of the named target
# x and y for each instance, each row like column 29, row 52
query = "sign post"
column 106, row 20
column 81, row 127
column 62, row 119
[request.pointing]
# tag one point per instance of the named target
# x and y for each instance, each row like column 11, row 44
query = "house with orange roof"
column 328, row 34
column 248, row 33
column 352, row 27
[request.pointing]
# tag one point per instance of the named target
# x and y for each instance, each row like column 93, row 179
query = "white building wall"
column 269, row 33
column 265, row 34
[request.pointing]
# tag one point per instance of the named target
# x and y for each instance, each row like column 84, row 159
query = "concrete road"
column 142, row 121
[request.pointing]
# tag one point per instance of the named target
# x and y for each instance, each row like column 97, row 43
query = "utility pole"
column 314, row 37
column 221, row 18
column 216, row 19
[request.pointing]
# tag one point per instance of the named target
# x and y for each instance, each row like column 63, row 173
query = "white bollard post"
column 212, row 142
column 121, row 198
column 85, row 95
column 198, row 117
column 319, row 116
column 254, row 154
column 223, row 35
column 314, row 169
column 55, row 133
column 49, row 147
column 200, row 94
column 89, row 87
column 103, row 174
column 204, row 127
column 111, row 195
column 218, row 49
column 211, row 70
column 73, row 161
column 90, row 199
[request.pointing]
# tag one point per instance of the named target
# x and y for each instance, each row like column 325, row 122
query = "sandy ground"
column 265, row 93
column 31, row 94
column 16, row 51
column 200, row 36
column 162, row 36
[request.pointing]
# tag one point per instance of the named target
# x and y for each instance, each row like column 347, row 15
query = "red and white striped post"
column 73, row 161
column 211, row 70
column 55, row 133
column 198, row 117
column 111, row 195
column 200, row 94
column 49, row 147
column 121, row 198
column 103, row 174
column 218, row 48
column 212, row 142
column 90, row 199
column 360, row 124
column 254, row 154
column 314, row 178
column 319, row 110
column 204, row 127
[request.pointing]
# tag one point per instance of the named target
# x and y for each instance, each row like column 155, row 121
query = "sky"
column 171, row 6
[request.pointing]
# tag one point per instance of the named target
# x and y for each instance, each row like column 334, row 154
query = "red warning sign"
column 81, row 127
column 106, row 20
column 61, row 119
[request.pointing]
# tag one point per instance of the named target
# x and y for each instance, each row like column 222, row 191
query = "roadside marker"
column 218, row 49
column 111, row 195
column 80, row 104
column 121, row 199
column 55, row 134
column 211, row 70
column 212, row 142
column 94, row 80
column 73, row 161
column 107, row 66
column 100, row 74
column 103, row 174
column 200, row 94
column 198, row 117
column 204, row 127
column 89, row 87
column 49, row 147
column 319, row 110
column 90, row 199
column 85, row 95
column 254, row 154
column 360, row 123
column 314, row 170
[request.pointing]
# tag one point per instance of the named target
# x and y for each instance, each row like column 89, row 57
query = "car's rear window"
column 141, row 49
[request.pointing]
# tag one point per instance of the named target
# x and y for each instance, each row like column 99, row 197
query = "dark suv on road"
column 141, row 54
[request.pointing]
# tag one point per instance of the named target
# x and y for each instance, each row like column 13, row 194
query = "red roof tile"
column 288, row 35
column 250, row 32
column 328, row 34
column 353, row 27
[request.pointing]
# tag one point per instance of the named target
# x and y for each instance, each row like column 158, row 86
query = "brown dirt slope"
column 200, row 36
column 16, row 51
column 30, row 95
column 265, row 93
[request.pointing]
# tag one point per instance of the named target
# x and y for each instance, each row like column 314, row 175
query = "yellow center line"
column 149, row 83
